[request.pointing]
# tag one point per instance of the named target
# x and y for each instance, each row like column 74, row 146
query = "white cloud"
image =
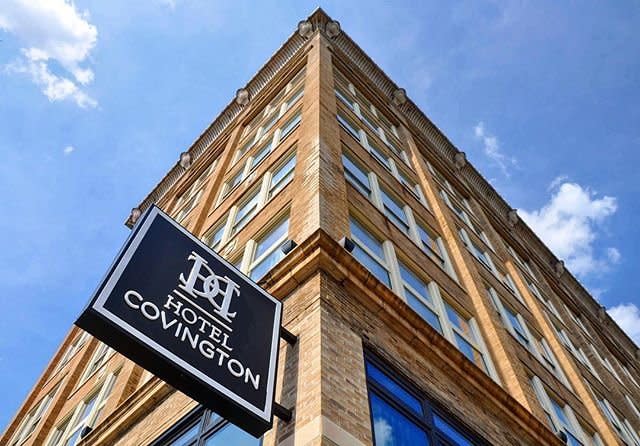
column 52, row 31
column 627, row 316
column 557, row 181
column 613, row 255
column 568, row 224
column 382, row 431
column 67, row 150
column 491, row 148
column 171, row 4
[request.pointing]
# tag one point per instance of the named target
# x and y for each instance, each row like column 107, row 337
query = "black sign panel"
column 172, row 305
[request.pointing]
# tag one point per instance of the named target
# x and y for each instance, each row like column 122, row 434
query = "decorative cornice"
column 287, row 51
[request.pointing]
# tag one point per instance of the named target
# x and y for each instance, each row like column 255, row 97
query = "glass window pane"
column 344, row 97
column 394, row 388
column 282, row 174
column 73, row 439
column 415, row 282
column 425, row 312
column 356, row 176
column 231, row 435
column 185, row 438
column 266, row 264
column 349, row 127
column 367, row 239
column 379, row 271
column 261, row 154
column 472, row 353
column 215, row 237
column 246, row 211
column 394, row 211
column 296, row 96
column 391, row 428
column 380, row 156
column 234, row 181
column 458, row 321
column 451, row 432
column 290, row 126
column 272, row 237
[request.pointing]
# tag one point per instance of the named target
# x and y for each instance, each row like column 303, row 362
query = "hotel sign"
column 172, row 305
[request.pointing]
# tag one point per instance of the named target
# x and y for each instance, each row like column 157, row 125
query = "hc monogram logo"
column 210, row 286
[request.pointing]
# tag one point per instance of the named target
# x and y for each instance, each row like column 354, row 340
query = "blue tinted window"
column 405, row 397
column 207, row 429
column 391, row 428
column 451, row 432
column 231, row 435
column 401, row 418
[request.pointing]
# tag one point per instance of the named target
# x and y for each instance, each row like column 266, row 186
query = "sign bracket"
column 282, row 412
column 288, row 337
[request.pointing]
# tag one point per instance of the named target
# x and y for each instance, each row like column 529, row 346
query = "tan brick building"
column 426, row 311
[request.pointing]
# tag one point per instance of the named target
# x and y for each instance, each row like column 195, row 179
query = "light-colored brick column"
column 320, row 198
column 512, row 374
column 567, row 364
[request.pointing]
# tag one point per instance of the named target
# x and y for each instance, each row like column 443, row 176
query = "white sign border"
column 114, row 276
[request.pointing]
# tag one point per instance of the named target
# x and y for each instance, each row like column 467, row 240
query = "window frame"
column 431, row 408
column 73, row 424
column 254, row 261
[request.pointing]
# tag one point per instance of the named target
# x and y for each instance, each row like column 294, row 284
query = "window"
column 267, row 250
column 401, row 416
column 429, row 244
column 626, row 371
column 633, row 406
column 98, row 359
column 32, row 419
column 380, row 156
column 275, row 110
column 214, row 237
column 559, row 415
column 424, row 298
column 86, row 414
column 189, row 199
column 507, row 281
column 250, row 204
column 418, row 297
column 260, row 155
column 232, row 183
column 605, row 363
column 372, row 118
column 244, row 148
column 246, row 211
column 356, row 175
column 399, row 213
column 349, row 126
column 623, row 429
column 72, row 349
column 411, row 185
column 577, row 353
column 295, row 97
column 281, row 177
column 370, row 252
column 513, row 321
column 345, row 98
column 466, row 337
column 205, row 428
column 395, row 211
column 290, row 126
column 479, row 254
column 186, row 210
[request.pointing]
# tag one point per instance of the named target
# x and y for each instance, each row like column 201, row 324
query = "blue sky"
column 98, row 99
